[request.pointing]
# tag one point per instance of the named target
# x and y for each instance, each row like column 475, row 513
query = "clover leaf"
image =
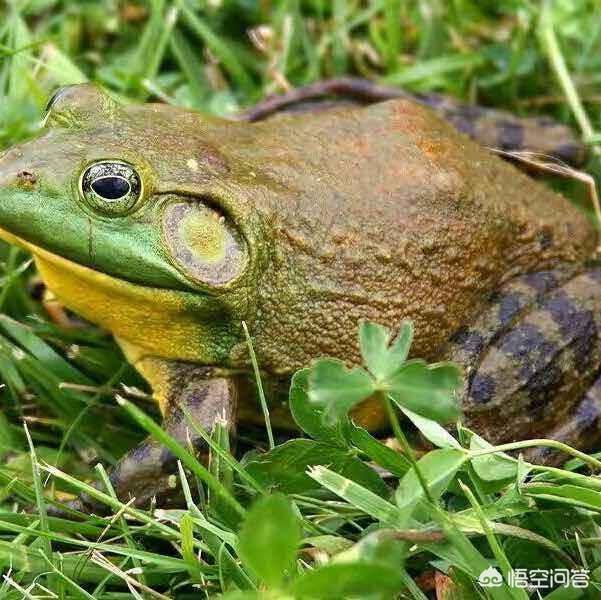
column 427, row 390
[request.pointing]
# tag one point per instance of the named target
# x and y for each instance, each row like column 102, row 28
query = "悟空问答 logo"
column 490, row 578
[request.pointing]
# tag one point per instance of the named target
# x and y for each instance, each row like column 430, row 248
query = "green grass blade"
column 38, row 487
column 255, row 365
column 358, row 496
column 218, row 46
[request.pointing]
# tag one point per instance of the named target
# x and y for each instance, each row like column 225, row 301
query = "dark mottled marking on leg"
column 543, row 383
column 482, row 388
column 583, row 346
column 144, row 471
column 505, row 306
column 536, row 361
column 541, row 281
column 510, row 135
column 464, row 118
column 141, row 452
column 510, row 306
column 536, row 357
column 195, row 398
column 471, row 342
column 575, row 325
column 542, row 375
column 524, row 340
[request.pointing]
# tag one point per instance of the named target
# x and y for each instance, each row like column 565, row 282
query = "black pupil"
column 111, row 188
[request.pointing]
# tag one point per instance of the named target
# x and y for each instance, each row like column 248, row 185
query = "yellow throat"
column 145, row 321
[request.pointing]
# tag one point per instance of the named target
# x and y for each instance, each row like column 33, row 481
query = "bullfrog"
column 171, row 228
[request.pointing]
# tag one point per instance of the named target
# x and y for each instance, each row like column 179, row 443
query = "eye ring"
column 111, row 187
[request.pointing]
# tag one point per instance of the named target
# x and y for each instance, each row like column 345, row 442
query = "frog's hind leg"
column 582, row 430
column 532, row 358
column 146, row 471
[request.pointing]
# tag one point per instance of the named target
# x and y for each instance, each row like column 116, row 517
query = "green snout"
column 40, row 203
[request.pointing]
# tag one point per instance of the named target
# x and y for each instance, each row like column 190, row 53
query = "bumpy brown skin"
column 427, row 226
column 391, row 215
column 383, row 213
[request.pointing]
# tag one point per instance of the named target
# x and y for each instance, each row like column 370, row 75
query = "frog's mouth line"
column 85, row 274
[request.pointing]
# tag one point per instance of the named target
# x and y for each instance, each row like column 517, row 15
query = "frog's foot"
column 148, row 470
column 532, row 358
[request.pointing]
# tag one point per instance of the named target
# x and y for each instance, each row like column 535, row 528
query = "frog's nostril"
column 12, row 171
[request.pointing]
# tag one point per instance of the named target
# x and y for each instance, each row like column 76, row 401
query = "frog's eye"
column 80, row 105
column 203, row 243
column 111, row 187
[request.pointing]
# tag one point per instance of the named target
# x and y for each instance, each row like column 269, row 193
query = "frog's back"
column 388, row 213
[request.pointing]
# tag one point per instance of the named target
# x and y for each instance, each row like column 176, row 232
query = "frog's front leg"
column 209, row 396
column 533, row 361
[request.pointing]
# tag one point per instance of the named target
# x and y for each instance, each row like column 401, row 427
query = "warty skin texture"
column 392, row 215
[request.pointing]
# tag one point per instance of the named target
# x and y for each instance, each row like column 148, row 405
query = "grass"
column 276, row 522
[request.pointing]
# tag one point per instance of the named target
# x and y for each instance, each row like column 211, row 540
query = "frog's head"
column 128, row 200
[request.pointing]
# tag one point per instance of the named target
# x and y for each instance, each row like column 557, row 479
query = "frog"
column 173, row 229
